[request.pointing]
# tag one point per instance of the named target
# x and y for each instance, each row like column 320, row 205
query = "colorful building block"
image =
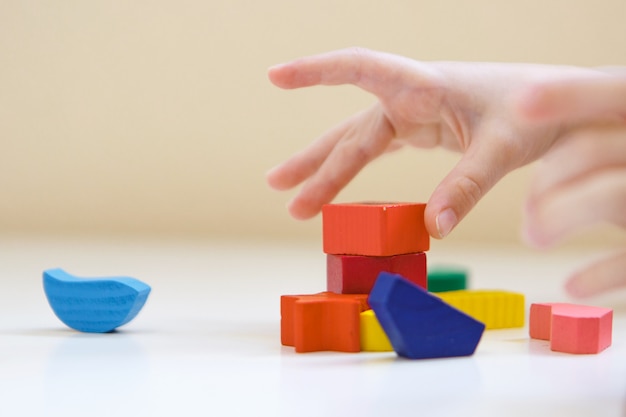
column 419, row 324
column 446, row 278
column 320, row 322
column 540, row 321
column 374, row 229
column 497, row 309
column 94, row 305
column 572, row 328
column 373, row 337
column 353, row 274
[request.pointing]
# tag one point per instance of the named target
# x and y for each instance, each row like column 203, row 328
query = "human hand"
column 582, row 180
column 462, row 107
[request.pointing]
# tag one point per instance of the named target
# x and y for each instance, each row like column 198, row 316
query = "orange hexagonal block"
column 572, row 328
column 324, row 321
column 374, row 229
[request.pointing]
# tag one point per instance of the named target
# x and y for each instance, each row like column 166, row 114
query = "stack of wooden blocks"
column 377, row 297
column 362, row 242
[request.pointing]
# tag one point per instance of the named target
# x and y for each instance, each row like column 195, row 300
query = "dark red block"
column 348, row 274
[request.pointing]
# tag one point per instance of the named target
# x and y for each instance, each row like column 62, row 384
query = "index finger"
column 376, row 72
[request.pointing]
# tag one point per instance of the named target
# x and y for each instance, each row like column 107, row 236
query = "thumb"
column 475, row 174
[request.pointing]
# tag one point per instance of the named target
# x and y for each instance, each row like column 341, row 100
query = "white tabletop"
column 208, row 340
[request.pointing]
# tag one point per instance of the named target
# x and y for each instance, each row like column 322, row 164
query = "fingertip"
column 582, row 285
column 432, row 230
column 301, row 211
column 529, row 234
column 281, row 75
column 445, row 222
column 430, row 219
column 535, row 238
column 275, row 68
column 599, row 277
column 439, row 220
column 534, row 231
column 271, row 72
column 455, row 196
column 575, row 289
column 272, row 178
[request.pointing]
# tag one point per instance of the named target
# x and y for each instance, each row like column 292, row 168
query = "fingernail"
column 446, row 220
column 270, row 172
column 275, row 67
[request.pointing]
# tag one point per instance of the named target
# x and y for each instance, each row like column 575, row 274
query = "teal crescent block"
column 94, row 305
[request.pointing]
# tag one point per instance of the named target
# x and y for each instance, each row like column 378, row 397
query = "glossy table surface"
column 208, row 340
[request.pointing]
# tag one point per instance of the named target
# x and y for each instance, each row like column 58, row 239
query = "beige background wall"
column 157, row 116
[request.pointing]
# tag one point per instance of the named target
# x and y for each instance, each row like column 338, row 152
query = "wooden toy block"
column 446, row 278
column 94, row 305
column 353, row 274
column 374, row 229
column 581, row 329
column 497, row 309
column 320, row 322
column 373, row 337
column 419, row 324
column 540, row 321
column 572, row 328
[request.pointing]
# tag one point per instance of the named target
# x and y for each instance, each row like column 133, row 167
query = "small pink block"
column 540, row 321
column 572, row 328
column 354, row 274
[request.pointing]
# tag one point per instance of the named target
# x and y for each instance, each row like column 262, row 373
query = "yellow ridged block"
column 373, row 337
column 497, row 309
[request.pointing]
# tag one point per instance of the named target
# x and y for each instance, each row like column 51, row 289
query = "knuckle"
column 358, row 52
column 357, row 152
column 469, row 189
column 359, row 57
column 363, row 153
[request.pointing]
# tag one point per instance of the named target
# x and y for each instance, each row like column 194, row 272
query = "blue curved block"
column 420, row 325
column 94, row 305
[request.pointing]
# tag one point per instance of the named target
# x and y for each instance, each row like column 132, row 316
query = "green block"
column 447, row 278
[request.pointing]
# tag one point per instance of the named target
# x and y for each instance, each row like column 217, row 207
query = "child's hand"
column 464, row 107
column 582, row 180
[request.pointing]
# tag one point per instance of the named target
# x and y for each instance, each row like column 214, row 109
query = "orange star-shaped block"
column 324, row 321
